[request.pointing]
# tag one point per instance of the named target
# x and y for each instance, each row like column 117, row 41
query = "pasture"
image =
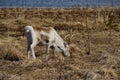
column 93, row 34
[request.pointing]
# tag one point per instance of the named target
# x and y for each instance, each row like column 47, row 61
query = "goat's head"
column 66, row 51
column 28, row 28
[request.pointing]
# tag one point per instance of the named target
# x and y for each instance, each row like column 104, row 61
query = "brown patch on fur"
column 45, row 38
column 46, row 29
column 38, row 39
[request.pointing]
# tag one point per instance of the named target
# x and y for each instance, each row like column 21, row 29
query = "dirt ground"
column 85, row 34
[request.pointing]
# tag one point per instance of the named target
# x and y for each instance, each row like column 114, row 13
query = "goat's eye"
column 58, row 47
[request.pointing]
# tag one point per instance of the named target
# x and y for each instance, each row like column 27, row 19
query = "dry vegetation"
column 89, row 30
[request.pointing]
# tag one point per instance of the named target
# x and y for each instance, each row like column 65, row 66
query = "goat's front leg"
column 47, row 51
column 32, row 49
column 53, row 50
column 28, row 51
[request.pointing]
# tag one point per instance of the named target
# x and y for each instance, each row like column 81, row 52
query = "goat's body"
column 45, row 36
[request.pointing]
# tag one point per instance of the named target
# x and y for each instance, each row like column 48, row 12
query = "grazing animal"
column 46, row 36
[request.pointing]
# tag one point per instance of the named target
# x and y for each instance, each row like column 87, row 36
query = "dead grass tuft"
column 109, row 72
column 9, row 52
column 72, row 67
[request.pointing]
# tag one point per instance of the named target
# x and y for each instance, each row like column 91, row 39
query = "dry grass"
column 101, row 64
column 10, row 52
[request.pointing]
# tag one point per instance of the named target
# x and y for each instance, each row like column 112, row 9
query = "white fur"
column 54, row 40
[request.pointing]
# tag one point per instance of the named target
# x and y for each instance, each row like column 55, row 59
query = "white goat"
column 46, row 36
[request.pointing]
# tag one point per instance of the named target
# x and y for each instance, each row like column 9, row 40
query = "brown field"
column 88, row 30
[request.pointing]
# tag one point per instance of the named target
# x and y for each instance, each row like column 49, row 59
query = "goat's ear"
column 65, row 44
